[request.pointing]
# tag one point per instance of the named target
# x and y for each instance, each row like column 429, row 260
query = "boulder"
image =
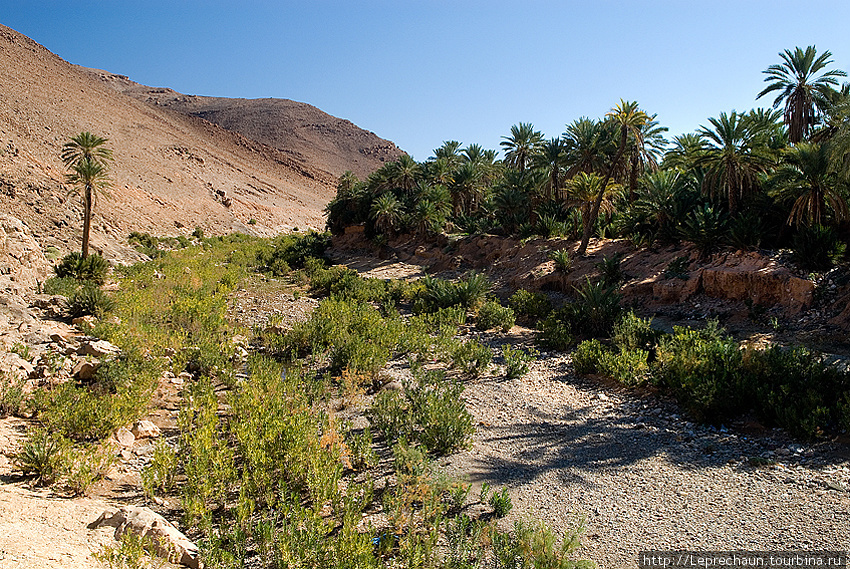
column 168, row 542
column 85, row 370
column 145, row 430
column 98, row 348
column 125, row 437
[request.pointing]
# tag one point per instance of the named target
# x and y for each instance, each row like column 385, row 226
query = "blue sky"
column 421, row 72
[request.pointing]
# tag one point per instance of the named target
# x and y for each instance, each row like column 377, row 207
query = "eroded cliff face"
column 22, row 262
column 738, row 276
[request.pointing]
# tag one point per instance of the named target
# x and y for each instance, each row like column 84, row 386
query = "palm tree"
column 552, row 160
column 88, row 177
column 807, row 177
column 521, row 146
column 386, row 212
column 467, row 187
column 685, row 153
column 450, row 151
column 805, row 94
column 587, row 145
column 403, row 173
column 630, row 120
column 86, row 156
column 733, row 159
column 582, row 191
column 643, row 150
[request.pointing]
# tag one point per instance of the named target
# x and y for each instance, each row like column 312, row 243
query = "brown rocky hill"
column 172, row 172
column 307, row 134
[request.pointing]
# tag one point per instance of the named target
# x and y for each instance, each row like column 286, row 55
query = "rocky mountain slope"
column 301, row 131
column 172, row 171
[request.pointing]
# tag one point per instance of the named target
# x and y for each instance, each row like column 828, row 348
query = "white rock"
column 125, row 437
column 145, row 429
column 168, row 541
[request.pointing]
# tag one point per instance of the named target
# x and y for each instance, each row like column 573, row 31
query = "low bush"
column 430, row 411
column 292, row 251
column 11, row 395
column 43, row 455
column 796, row 389
column 471, row 357
column 93, row 268
column 628, row 367
column 631, row 332
column 89, row 301
column 609, row 268
column 517, row 360
column 501, row 503
column 703, row 369
column 556, row 331
column 587, row 357
column 491, row 315
column 439, row 293
column 563, row 260
column 597, row 308
column 530, row 306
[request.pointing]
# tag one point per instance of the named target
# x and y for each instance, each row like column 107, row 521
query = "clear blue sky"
column 421, row 72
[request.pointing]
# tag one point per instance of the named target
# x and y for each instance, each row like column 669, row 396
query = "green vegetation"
column 759, row 178
column 87, row 158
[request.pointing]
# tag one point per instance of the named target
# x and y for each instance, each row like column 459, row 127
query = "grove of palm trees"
column 771, row 177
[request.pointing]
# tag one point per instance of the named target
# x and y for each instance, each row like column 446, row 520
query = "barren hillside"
column 172, row 172
column 307, row 134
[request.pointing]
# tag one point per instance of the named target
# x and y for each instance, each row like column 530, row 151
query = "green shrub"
column 596, row 309
column 817, row 248
column 61, row 286
column 87, row 465
column 631, row 332
column 93, row 268
column 796, row 389
column 145, row 244
column 501, row 503
column 471, row 357
column 516, row 361
column 11, row 395
column 563, row 260
column 440, row 293
column 158, row 475
column 530, row 305
column 430, row 411
column 610, row 271
column 706, row 228
column 628, row 367
column 89, row 300
column 587, row 357
column 556, row 330
column 293, row 251
column 43, row 455
column 494, row 315
column 702, row 368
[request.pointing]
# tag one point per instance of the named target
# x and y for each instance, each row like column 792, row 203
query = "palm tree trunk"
column 86, row 219
column 594, row 213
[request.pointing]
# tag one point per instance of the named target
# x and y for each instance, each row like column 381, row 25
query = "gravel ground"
column 642, row 475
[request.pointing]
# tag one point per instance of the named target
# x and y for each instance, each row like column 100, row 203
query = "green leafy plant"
column 530, row 306
column 501, row 503
column 609, row 269
column 631, row 332
column 158, row 475
column 43, row 455
column 93, row 268
column 491, row 314
column 11, row 395
column 89, row 300
column 132, row 552
column 678, row 269
column 817, row 248
column 517, row 360
column 563, row 260
column 587, row 357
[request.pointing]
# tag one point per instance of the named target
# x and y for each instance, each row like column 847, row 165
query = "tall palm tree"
column 587, row 145
column 685, row 152
column 450, row 151
column 804, row 92
column 582, row 191
column 733, row 159
column 467, row 187
column 644, row 148
column 630, row 120
column 552, row 160
column 386, row 213
column 807, row 178
column 86, row 156
column 88, row 176
column 521, row 146
column 404, row 172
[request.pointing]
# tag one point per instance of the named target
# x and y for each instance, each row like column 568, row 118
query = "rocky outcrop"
column 167, row 540
column 22, row 262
